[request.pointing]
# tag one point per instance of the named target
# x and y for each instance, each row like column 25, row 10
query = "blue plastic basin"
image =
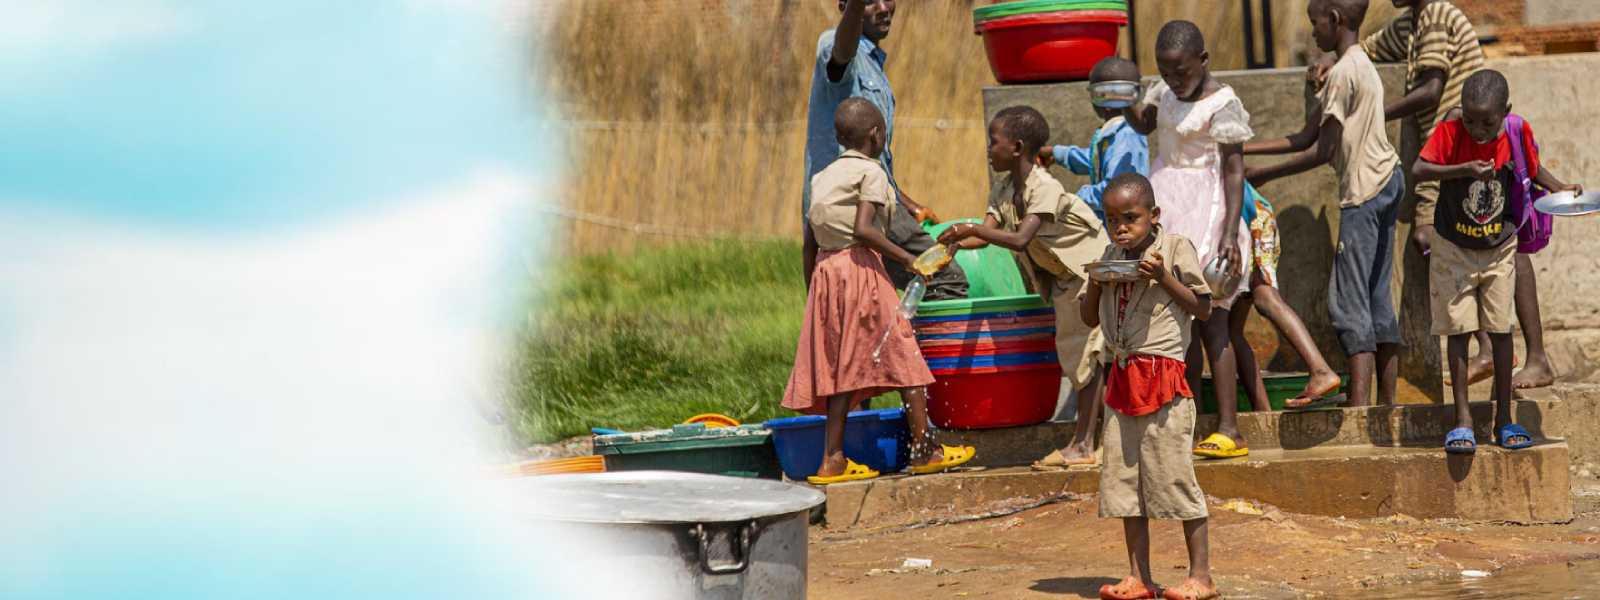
column 878, row 439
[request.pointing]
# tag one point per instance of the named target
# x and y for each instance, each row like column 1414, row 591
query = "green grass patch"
column 648, row 339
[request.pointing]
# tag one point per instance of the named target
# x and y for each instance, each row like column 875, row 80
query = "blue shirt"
column 1115, row 149
column 864, row 78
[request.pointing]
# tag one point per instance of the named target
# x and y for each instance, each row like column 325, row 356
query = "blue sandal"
column 1514, row 430
column 1460, row 434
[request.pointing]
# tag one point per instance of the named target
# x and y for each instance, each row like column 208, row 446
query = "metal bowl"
column 1113, row 271
column 1568, row 204
column 1115, row 94
column 1222, row 285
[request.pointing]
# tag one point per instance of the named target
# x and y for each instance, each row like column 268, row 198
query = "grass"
column 648, row 339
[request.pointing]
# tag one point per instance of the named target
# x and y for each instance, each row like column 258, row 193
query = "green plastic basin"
column 1280, row 388
column 743, row 451
column 991, row 272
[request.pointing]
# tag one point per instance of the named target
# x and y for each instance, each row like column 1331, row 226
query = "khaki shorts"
column 1427, row 194
column 1472, row 290
column 1078, row 346
column 1148, row 469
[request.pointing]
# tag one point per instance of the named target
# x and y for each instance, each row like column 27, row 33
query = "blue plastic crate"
column 878, row 439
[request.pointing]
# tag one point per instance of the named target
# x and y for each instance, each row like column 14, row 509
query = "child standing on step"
column 1485, row 163
column 1147, row 472
column 1199, row 181
column 1346, row 129
column 1052, row 232
column 854, row 345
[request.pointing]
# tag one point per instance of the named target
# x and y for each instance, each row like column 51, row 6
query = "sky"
column 254, row 258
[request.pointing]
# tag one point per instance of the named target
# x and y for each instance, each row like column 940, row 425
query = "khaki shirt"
column 1353, row 96
column 1153, row 324
column 1069, row 234
column 836, row 190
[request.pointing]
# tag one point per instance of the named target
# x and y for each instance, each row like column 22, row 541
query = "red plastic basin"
column 930, row 344
column 978, row 26
column 1050, row 49
column 990, row 347
column 962, row 399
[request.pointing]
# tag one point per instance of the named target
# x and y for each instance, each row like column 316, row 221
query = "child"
column 1199, row 183
column 1115, row 147
column 844, row 356
column 1347, row 129
column 1147, row 472
column 1263, row 293
column 1473, row 271
column 1054, row 234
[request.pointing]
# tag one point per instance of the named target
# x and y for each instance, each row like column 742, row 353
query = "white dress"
column 1187, row 173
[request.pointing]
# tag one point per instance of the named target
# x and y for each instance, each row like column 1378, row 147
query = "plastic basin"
column 979, row 24
column 975, row 399
column 993, row 360
column 878, row 439
column 988, row 347
column 1044, row 6
column 980, row 306
column 1280, row 387
column 991, row 271
column 742, row 451
column 1049, row 49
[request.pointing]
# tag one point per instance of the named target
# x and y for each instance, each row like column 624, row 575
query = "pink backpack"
column 1534, row 228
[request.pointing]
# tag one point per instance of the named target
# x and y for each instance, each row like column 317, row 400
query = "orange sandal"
column 1190, row 590
column 1130, row 588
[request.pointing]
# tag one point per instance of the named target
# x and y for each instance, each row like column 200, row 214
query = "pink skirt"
column 1193, row 206
column 851, row 305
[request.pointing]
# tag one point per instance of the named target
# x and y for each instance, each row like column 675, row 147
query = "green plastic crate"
column 991, row 272
column 743, row 451
column 1280, row 388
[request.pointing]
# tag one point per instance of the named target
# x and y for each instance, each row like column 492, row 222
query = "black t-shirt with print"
column 1477, row 214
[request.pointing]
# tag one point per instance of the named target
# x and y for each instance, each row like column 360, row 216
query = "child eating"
column 853, row 345
column 1483, row 169
column 1147, row 472
column 1053, row 233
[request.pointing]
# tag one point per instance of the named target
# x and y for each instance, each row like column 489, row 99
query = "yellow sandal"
column 853, row 471
column 953, row 457
column 1226, row 448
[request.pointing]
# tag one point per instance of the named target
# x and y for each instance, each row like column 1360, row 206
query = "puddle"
column 1554, row 582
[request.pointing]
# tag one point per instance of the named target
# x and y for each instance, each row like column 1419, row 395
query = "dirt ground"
column 1063, row 550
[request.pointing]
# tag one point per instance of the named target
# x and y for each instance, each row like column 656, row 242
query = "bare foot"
column 833, row 466
column 1322, row 383
column 1078, row 455
column 932, row 457
column 1536, row 375
column 1480, row 368
column 1192, row 589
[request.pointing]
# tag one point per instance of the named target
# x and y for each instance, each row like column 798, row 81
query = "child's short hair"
column 1026, row 124
column 854, row 119
column 1354, row 11
column 1486, row 89
column 1133, row 183
column 1181, row 36
column 1114, row 68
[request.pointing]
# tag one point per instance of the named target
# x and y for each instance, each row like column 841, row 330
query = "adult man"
column 849, row 63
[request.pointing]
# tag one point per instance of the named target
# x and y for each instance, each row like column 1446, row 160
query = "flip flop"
column 1315, row 401
column 952, row 457
column 1130, row 588
column 1460, row 434
column 852, row 472
column 1226, row 447
column 1190, row 590
column 1054, row 461
column 1514, row 430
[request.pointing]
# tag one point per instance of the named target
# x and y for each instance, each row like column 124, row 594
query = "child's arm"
column 866, row 235
column 1481, row 170
column 1089, row 308
column 989, row 232
column 1327, row 140
column 1155, row 269
column 1430, row 87
column 958, row 241
column 1548, row 181
column 1295, row 142
column 1141, row 117
column 1075, row 159
column 809, row 252
column 1233, row 203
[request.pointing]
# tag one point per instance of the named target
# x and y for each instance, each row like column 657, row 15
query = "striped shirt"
column 1440, row 38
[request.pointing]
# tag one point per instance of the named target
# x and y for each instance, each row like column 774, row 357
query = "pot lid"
column 648, row 497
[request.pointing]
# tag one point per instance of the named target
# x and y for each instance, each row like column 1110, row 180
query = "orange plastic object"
column 713, row 420
column 560, row 466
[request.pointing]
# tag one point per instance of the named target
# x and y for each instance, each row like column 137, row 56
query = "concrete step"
column 1411, row 424
column 1523, row 486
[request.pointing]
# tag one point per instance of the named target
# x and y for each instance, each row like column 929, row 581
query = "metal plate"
column 648, row 497
column 1118, row 271
column 1567, row 204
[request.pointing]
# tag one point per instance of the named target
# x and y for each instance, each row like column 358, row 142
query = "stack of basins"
column 993, row 360
column 1048, row 40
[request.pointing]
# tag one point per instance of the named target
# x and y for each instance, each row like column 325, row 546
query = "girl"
column 1199, row 185
column 853, row 343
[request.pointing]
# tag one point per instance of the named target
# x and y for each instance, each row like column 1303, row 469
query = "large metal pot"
column 669, row 535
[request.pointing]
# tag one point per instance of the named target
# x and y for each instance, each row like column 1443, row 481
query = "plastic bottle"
column 912, row 297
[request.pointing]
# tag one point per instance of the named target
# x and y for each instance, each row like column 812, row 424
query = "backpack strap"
column 1520, row 165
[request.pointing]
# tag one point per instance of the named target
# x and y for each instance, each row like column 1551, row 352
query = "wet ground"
column 1063, row 551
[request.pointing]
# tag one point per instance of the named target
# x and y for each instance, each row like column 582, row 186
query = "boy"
column 1053, row 233
column 1147, row 472
column 1473, row 272
column 1115, row 147
column 1347, row 130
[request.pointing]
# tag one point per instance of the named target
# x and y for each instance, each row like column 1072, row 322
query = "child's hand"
column 1047, row 156
column 1153, row 269
column 957, row 232
column 1317, row 71
column 1481, row 170
column 1576, row 189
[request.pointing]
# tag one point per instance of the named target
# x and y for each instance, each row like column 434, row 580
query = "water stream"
column 1553, row 582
